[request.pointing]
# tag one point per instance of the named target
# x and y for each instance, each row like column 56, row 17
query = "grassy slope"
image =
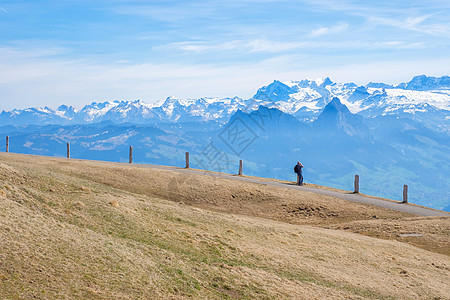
column 78, row 229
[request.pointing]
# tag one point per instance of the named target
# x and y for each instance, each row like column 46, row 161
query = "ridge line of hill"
column 349, row 196
column 360, row 198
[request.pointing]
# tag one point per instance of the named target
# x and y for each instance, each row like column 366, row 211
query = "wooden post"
column 405, row 194
column 131, row 154
column 240, row 167
column 356, row 191
column 7, row 143
column 68, row 150
column 187, row 160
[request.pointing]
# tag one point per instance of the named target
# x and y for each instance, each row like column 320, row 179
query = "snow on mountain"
column 41, row 115
column 304, row 99
column 95, row 110
column 134, row 112
column 424, row 83
column 203, row 109
column 64, row 111
column 437, row 99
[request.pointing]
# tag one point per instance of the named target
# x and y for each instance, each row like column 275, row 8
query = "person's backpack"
column 295, row 169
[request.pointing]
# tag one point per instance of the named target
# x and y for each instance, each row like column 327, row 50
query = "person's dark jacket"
column 298, row 169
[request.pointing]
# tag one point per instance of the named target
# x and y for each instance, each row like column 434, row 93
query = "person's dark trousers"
column 299, row 179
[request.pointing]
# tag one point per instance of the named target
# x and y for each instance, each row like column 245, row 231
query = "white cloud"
column 387, row 71
column 37, row 81
column 262, row 45
column 274, row 47
column 203, row 46
column 165, row 13
column 413, row 24
column 341, row 27
column 429, row 17
column 49, row 81
column 250, row 46
column 395, row 45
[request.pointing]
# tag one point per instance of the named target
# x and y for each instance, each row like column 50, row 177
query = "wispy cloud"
column 250, row 46
column 203, row 46
column 330, row 30
column 430, row 17
column 398, row 45
column 262, row 45
column 167, row 13
column 348, row 46
column 30, row 49
column 274, row 47
column 153, row 49
column 417, row 24
column 56, row 81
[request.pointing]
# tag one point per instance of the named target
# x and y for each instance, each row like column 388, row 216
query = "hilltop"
column 84, row 229
column 389, row 135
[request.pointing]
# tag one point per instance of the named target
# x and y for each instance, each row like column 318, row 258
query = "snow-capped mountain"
column 337, row 115
column 300, row 97
column 425, row 83
column 389, row 135
column 423, row 98
column 138, row 112
column 203, row 109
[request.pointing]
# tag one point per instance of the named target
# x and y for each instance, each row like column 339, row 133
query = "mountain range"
column 423, row 98
column 389, row 135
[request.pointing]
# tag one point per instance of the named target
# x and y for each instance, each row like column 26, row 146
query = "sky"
column 78, row 52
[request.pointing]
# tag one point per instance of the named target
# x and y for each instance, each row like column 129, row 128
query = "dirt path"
column 390, row 204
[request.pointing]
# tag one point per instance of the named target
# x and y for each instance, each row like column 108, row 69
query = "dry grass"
column 79, row 229
column 433, row 233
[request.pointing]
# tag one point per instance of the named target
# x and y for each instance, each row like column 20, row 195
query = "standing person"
column 298, row 169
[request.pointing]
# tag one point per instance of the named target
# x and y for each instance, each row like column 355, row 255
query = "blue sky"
column 76, row 52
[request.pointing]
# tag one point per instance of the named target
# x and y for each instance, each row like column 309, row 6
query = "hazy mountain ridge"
column 386, row 151
column 303, row 99
column 378, row 131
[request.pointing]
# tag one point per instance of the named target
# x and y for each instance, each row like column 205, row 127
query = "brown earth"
column 230, row 196
column 83, row 229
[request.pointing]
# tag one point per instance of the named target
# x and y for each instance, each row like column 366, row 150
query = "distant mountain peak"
column 335, row 102
column 304, row 99
column 323, row 81
column 276, row 91
column 336, row 118
column 266, row 119
column 424, row 83
column 379, row 85
column 336, row 106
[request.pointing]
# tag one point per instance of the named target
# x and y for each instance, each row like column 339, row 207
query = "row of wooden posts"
column 356, row 184
column 405, row 189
